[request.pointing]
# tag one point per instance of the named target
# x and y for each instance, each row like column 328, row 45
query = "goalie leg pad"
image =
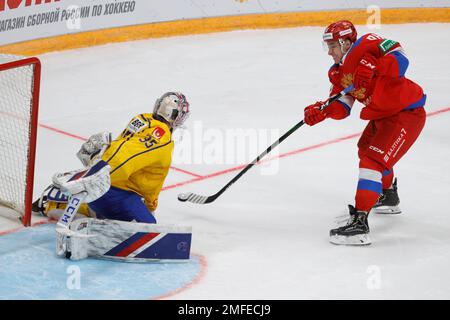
column 71, row 245
column 125, row 241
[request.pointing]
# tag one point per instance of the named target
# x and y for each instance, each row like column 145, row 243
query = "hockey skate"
column 51, row 198
column 39, row 205
column 388, row 203
column 53, row 202
column 355, row 232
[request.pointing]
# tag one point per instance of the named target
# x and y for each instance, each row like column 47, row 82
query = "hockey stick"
column 71, row 210
column 196, row 198
column 75, row 200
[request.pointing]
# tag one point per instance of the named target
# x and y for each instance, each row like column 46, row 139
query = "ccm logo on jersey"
column 158, row 133
column 366, row 63
column 376, row 149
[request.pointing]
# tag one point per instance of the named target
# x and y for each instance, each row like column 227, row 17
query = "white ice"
column 267, row 236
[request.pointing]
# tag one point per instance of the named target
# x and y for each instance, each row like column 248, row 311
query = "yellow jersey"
column 140, row 158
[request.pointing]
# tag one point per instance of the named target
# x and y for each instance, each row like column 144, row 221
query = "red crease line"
column 2, row 233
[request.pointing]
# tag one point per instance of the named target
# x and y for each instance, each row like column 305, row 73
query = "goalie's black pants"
column 118, row 204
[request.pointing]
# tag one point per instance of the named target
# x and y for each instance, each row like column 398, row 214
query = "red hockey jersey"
column 390, row 91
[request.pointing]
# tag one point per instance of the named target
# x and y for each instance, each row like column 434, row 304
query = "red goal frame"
column 32, row 136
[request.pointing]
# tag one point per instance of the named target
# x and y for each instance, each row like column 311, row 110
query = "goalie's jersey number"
column 149, row 141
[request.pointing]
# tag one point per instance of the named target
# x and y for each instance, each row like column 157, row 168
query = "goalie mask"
column 173, row 107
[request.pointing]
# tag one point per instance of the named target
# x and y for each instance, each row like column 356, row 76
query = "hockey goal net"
column 19, row 100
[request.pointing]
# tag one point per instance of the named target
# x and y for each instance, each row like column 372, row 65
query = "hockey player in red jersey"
column 393, row 104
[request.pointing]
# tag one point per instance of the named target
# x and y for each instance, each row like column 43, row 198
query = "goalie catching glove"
column 95, row 181
column 94, row 148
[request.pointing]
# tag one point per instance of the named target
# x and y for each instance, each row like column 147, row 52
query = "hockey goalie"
column 107, row 208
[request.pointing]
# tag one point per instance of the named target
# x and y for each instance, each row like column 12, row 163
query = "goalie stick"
column 199, row 199
column 71, row 210
column 76, row 199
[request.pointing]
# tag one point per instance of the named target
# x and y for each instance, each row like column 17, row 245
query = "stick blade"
column 184, row 196
column 192, row 197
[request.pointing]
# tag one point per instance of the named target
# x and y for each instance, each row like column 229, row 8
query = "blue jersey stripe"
column 402, row 61
column 417, row 104
column 370, row 185
column 346, row 106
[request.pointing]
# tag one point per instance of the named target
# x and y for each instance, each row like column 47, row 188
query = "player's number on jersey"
column 148, row 141
column 373, row 37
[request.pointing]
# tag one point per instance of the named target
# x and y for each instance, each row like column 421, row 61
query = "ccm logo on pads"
column 158, row 133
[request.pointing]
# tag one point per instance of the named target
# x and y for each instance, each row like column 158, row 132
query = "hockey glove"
column 365, row 72
column 313, row 114
column 91, row 148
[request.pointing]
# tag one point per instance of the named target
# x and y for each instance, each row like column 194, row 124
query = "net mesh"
column 16, row 94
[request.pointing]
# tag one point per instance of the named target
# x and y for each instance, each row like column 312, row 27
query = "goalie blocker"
column 123, row 241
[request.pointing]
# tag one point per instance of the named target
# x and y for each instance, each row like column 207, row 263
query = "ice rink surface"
column 267, row 236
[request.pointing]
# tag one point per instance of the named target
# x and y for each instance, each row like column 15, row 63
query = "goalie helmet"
column 173, row 107
column 340, row 31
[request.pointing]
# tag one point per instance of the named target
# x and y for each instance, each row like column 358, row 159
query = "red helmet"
column 343, row 29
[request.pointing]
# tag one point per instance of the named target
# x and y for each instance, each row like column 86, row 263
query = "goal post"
column 19, row 104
